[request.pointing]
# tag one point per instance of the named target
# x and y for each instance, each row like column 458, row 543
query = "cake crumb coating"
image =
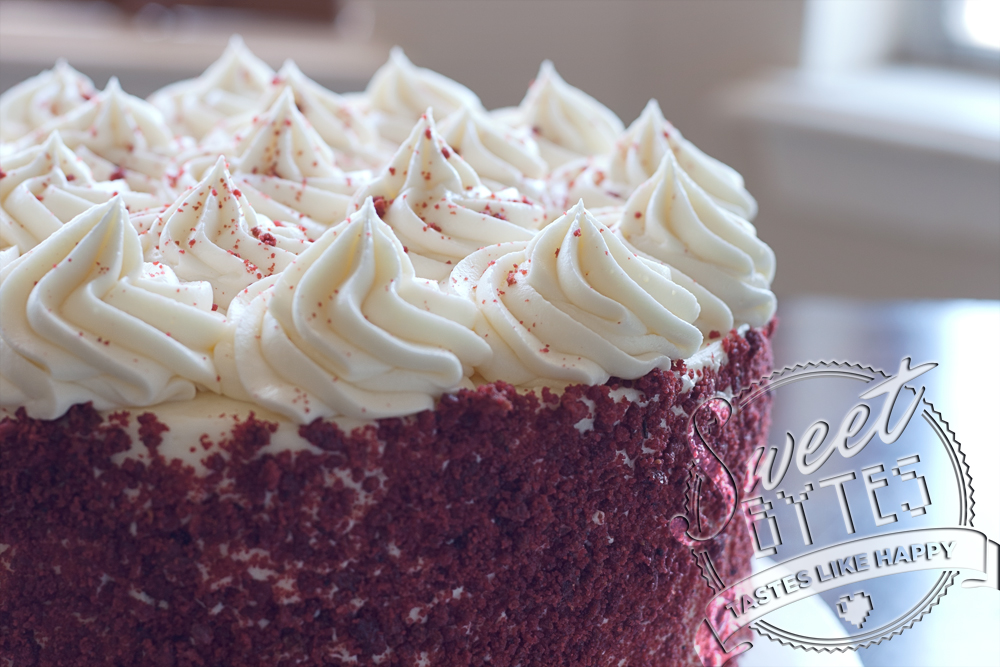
column 500, row 528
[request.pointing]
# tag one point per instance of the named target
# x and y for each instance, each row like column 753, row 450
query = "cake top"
column 438, row 206
column 250, row 234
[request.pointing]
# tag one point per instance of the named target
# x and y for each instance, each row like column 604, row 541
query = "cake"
column 302, row 379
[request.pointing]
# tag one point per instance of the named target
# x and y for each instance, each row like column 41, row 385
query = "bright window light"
column 975, row 23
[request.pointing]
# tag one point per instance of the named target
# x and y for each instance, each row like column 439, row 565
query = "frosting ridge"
column 85, row 319
column 213, row 233
column 573, row 304
column 232, row 85
column 348, row 329
column 400, row 92
column 673, row 219
column 440, row 210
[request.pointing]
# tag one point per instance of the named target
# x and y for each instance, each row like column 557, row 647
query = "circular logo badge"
column 841, row 486
column 861, row 496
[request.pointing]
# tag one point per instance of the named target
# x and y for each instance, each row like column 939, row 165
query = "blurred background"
column 869, row 130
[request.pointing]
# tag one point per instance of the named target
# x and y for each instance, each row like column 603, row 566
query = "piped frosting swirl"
column 213, row 233
column 567, row 123
column 235, row 84
column 343, row 127
column 349, row 330
column 120, row 128
column 86, row 320
column 288, row 173
column 36, row 102
column 573, row 304
column 400, row 92
column 674, row 220
column 438, row 207
column 497, row 152
column 640, row 150
column 44, row 186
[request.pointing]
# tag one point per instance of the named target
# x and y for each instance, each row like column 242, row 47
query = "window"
column 974, row 24
column 959, row 33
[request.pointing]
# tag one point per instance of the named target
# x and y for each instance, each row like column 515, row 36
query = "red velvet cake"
column 449, row 426
column 493, row 529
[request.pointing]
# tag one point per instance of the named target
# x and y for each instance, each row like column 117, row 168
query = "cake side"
column 520, row 528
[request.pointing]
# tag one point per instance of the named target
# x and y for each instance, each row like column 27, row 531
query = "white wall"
column 621, row 52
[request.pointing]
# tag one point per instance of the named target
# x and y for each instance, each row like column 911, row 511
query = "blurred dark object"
column 312, row 10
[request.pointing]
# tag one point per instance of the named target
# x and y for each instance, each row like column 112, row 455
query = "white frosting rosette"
column 84, row 319
column 587, row 179
column 44, row 186
column 574, row 305
column 400, row 92
column 118, row 135
column 501, row 155
column 212, row 233
column 567, row 123
column 497, row 152
column 640, row 150
column 674, row 220
column 606, row 181
column 288, row 173
column 36, row 102
column 438, row 207
column 352, row 136
column 349, row 330
column 235, row 84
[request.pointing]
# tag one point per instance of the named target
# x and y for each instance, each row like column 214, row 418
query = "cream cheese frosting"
column 120, row 128
column 233, row 85
column 587, row 179
column 212, row 233
column 349, row 330
column 438, row 207
column 45, row 186
column 33, row 103
column 288, row 173
column 574, row 305
column 400, row 92
column 85, row 319
column 608, row 180
column 250, row 290
column 498, row 153
column 568, row 123
column 640, row 150
column 674, row 220
column 8, row 255
column 343, row 127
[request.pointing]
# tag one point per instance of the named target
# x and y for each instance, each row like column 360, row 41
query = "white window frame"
column 926, row 39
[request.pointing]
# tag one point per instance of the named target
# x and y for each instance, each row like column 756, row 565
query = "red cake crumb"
column 495, row 528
